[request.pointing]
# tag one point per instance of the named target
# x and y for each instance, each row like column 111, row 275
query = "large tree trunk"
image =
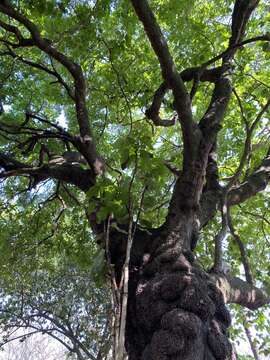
column 174, row 310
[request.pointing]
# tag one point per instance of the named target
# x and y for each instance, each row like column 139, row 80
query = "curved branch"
column 206, row 75
column 66, row 172
column 41, row 67
column 236, row 46
column 22, row 42
column 210, row 123
column 254, row 183
column 201, row 73
column 85, row 143
column 241, row 14
column 171, row 77
column 242, row 249
column 237, row 291
column 152, row 112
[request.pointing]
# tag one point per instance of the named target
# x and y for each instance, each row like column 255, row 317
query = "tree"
column 163, row 149
column 64, row 306
column 33, row 348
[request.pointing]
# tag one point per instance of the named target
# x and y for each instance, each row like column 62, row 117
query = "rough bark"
column 175, row 310
column 66, row 172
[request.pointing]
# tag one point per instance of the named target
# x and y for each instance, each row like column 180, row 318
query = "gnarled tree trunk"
column 175, row 311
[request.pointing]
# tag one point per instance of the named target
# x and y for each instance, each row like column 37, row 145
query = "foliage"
column 64, row 304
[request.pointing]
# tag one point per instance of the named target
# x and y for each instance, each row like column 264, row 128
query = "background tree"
column 162, row 148
column 63, row 304
column 36, row 347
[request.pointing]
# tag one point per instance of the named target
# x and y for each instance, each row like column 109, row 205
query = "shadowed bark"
column 66, row 172
column 175, row 309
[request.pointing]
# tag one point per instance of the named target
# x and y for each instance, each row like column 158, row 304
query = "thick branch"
column 153, row 111
column 237, row 291
column 200, row 73
column 22, row 42
column 241, row 14
column 256, row 182
column 171, row 77
column 211, row 75
column 210, row 123
column 66, row 172
column 211, row 176
column 190, row 189
column 9, row 164
column 85, row 142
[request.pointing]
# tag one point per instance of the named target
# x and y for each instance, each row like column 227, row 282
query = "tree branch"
column 211, row 176
column 171, row 77
column 236, row 46
column 221, row 236
column 85, row 143
column 206, row 75
column 252, row 343
column 152, row 112
column 41, row 67
column 225, row 209
column 189, row 74
column 210, row 123
column 241, row 14
column 237, row 291
column 247, row 145
column 254, row 183
column 242, row 250
column 66, row 172
column 22, row 42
